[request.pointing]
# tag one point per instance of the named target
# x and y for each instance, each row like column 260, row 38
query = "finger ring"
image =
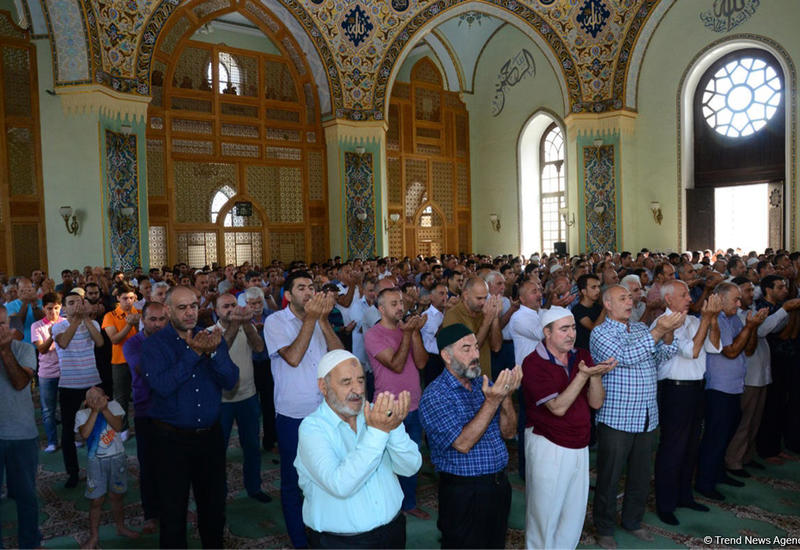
column 506, row 387
column 389, row 413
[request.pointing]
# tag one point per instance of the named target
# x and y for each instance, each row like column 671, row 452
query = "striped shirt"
column 630, row 404
column 78, row 367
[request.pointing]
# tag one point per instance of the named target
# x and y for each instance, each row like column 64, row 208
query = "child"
column 106, row 470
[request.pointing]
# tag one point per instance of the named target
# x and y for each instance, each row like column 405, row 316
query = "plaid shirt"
column 631, row 386
column 445, row 408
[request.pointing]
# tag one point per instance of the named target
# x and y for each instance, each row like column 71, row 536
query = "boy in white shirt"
column 106, row 470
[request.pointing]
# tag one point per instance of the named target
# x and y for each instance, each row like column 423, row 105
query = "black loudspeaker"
column 560, row 248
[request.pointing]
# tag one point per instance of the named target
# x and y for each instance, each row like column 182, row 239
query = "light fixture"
column 360, row 150
column 66, row 212
column 126, row 129
column 564, row 211
column 121, row 219
column 655, row 208
column 598, row 142
column 394, row 217
column 600, row 212
column 494, row 219
column 360, row 214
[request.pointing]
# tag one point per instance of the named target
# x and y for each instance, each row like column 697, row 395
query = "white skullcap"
column 331, row 360
column 555, row 268
column 554, row 314
column 752, row 261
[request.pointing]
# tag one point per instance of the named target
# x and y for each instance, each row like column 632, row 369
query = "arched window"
column 552, row 186
column 221, row 197
column 739, row 156
column 229, row 74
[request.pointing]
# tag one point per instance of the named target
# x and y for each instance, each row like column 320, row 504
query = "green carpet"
column 768, row 506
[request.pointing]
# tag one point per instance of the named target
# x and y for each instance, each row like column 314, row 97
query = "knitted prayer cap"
column 451, row 334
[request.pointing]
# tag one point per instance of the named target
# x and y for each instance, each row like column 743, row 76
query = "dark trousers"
column 265, row 386
column 615, row 451
column 391, row 535
column 146, row 453
column 723, row 411
column 19, row 459
column 503, row 359
column 521, row 423
column 433, row 368
column 291, row 496
column 473, row 512
column 185, row 460
column 773, row 429
column 680, row 411
column 70, row 401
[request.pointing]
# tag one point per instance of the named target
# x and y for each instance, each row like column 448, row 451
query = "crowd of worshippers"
column 341, row 367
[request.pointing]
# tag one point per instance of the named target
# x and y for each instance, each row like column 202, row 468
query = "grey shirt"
column 16, row 406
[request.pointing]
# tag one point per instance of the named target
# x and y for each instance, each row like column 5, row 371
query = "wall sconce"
column 495, row 221
column 655, row 208
column 66, row 212
column 564, row 211
column 121, row 219
column 360, row 150
column 360, row 214
column 598, row 142
column 600, row 212
column 394, row 217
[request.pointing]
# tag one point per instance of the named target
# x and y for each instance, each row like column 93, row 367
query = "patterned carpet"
column 768, row 506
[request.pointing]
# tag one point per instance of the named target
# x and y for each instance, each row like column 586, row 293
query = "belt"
column 487, row 479
column 185, row 431
column 374, row 531
column 683, row 382
column 508, row 341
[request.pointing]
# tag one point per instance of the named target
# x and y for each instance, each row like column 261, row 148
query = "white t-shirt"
column 108, row 443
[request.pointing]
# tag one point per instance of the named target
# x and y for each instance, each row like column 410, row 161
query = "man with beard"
column 297, row 337
column 349, row 455
column 102, row 354
column 466, row 419
column 187, row 372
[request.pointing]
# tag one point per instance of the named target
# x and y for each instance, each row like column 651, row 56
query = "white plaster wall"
column 653, row 172
column 71, row 174
column 493, row 140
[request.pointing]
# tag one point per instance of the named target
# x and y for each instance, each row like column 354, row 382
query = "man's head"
column 559, row 329
column 158, row 292
column 72, row 302
column 51, row 304
column 475, row 293
column 731, row 297
column 459, row 349
column 154, row 317
column 390, row 304
column 92, row 293
column 66, row 277
column 341, row 381
column 182, row 308
column 368, row 289
column 145, row 286
column 455, row 282
column 299, row 289
column 224, row 305
column 530, row 294
column 634, row 285
column 746, row 289
column 736, row 267
column 25, row 290
column 125, row 296
column 686, row 272
column 201, row 282
column 439, row 296
column 37, row 276
column 664, row 272
column 254, row 297
column 589, row 287
column 610, row 275
column 774, row 289
column 618, row 302
column 676, row 295
column 496, row 283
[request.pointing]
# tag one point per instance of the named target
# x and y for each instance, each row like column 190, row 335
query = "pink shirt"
column 379, row 338
column 48, row 362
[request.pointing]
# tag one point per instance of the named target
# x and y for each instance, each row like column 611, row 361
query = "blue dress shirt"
column 349, row 478
column 445, row 408
column 631, row 386
column 187, row 387
column 722, row 373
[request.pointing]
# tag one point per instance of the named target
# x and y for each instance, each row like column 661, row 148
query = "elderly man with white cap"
column 349, row 455
column 560, row 384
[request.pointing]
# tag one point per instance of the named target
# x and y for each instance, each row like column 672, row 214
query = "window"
column 552, row 186
column 741, row 97
column 221, row 197
column 229, row 74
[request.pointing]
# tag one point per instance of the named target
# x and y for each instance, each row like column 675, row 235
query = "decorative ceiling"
column 356, row 45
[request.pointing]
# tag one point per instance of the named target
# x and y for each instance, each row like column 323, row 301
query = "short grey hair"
column 253, row 292
column 159, row 284
column 628, row 279
column 490, row 277
column 669, row 287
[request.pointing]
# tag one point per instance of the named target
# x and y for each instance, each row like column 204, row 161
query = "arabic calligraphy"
column 726, row 15
column 511, row 73
column 357, row 25
column 593, row 16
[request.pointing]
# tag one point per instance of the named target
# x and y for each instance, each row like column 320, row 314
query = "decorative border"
column 791, row 94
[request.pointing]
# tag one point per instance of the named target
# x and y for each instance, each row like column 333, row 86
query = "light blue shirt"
column 349, row 479
column 724, row 374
